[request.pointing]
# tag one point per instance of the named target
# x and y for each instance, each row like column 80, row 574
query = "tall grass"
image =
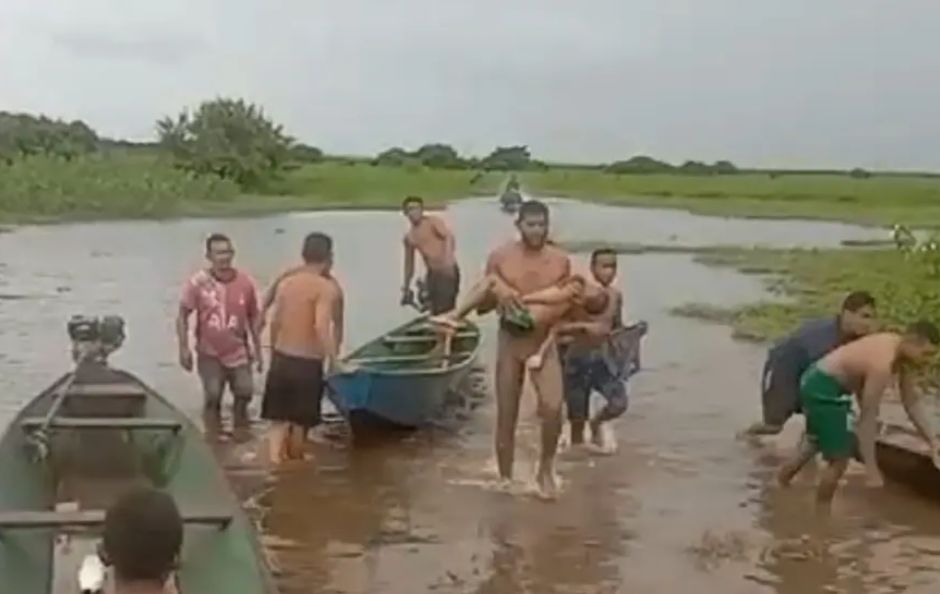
column 103, row 186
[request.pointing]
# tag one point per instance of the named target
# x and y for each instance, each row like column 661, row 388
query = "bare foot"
column 602, row 443
column 784, row 476
column 546, row 485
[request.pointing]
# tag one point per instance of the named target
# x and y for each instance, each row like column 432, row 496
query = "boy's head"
column 413, row 209
column 604, row 266
column 858, row 315
column 143, row 534
column 318, row 249
column 919, row 343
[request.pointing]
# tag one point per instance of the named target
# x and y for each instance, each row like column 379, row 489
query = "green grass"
column 810, row 283
column 883, row 199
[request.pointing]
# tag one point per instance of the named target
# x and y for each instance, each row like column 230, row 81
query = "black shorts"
column 442, row 289
column 293, row 390
column 780, row 392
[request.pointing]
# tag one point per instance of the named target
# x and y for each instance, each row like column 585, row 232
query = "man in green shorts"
column 864, row 367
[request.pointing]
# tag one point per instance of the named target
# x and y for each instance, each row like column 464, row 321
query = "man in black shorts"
column 303, row 339
column 432, row 238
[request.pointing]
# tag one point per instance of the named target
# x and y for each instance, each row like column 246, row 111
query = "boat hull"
column 88, row 468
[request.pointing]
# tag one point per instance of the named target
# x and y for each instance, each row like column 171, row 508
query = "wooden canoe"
column 903, row 455
column 401, row 379
column 114, row 432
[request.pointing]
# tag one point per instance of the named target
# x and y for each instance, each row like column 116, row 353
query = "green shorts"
column 517, row 322
column 828, row 409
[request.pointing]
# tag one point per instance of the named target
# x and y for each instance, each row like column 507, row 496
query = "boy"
column 588, row 360
column 864, row 367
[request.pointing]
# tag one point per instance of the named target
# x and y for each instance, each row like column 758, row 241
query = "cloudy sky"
column 760, row 82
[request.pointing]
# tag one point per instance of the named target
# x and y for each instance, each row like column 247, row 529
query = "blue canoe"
column 402, row 378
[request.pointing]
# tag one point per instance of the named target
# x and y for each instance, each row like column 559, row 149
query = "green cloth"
column 517, row 321
column 828, row 409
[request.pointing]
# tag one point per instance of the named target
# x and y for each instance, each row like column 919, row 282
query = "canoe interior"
column 88, row 468
column 414, row 347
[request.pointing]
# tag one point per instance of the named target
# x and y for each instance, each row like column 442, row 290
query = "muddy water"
column 681, row 506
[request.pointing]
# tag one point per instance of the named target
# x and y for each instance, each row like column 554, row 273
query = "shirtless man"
column 431, row 237
column 864, row 367
column 586, row 361
column 527, row 267
column 303, row 349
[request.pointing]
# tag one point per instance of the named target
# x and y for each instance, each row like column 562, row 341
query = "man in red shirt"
column 225, row 302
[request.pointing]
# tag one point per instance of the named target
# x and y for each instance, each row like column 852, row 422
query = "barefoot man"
column 432, row 238
column 303, row 348
column 864, row 367
column 532, row 268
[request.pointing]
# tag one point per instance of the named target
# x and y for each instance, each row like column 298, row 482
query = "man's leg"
column 241, row 382
column 212, row 374
column 577, row 396
column 442, row 291
column 509, row 376
column 614, row 391
column 549, row 385
column 806, row 451
column 829, row 482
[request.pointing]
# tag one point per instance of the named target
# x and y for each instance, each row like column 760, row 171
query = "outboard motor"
column 94, row 338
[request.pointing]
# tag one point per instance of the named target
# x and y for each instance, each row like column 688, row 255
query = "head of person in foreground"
column 858, row 315
column 143, row 534
column 919, row 343
column 532, row 222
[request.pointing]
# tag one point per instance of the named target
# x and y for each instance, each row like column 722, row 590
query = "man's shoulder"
column 556, row 252
column 199, row 278
column 504, row 249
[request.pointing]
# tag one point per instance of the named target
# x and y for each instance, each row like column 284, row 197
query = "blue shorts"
column 587, row 373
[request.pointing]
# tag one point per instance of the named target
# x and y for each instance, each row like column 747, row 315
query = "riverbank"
column 811, row 283
column 144, row 186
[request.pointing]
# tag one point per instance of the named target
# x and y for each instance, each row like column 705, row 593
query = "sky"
column 766, row 83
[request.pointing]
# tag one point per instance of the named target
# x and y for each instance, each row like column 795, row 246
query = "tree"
column 393, row 157
column 695, row 168
column 724, row 168
column 859, row 173
column 640, row 164
column 439, row 156
column 306, row 153
column 229, row 138
column 508, row 158
column 24, row 135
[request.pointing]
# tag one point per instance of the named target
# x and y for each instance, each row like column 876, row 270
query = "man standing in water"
column 225, row 302
column 789, row 358
column 431, row 237
column 303, row 348
column 864, row 367
column 524, row 267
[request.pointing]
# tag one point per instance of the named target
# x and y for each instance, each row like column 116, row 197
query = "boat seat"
column 39, row 519
column 141, row 423
column 124, row 399
column 405, row 358
column 127, row 390
column 418, row 339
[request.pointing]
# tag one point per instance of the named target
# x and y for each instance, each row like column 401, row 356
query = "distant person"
column 225, row 302
column 143, row 537
column 303, row 348
column 513, row 184
column 587, row 358
column 432, row 238
column 864, row 367
column 789, row 358
column 523, row 268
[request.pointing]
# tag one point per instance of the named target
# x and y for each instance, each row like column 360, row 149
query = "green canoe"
column 113, row 432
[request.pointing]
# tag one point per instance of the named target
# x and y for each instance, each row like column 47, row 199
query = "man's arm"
column 444, row 232
column 913, row 405
column 182, row 337
column 409, row 268
column 339, row 315
column 503, row 290
column 255, row 325
column 875, row 383
column 325, row 308
column 617, row 321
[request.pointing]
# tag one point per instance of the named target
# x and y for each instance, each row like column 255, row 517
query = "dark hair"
column 926, row 330
column 216, row 237
column 318, row 247
column 532, row 208
column 856, row 300
column 604, row 251
column 412, row 200
column 143, row 534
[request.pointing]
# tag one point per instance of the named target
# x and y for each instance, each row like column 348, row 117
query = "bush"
column 23, row 135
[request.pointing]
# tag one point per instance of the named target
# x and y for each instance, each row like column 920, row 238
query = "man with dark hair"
column 143, row 535
column 432, row 238
column 225, row 302
column 521, row 274
column 864, row 367
column 303, row 343
column 789, row 358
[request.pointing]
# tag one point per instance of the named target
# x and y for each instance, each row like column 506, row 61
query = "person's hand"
column 407, row 295
column 534, row 362
column 935, row 455
column 259, row 362
column 508, row 299
column 186, row 358
column 873, row 479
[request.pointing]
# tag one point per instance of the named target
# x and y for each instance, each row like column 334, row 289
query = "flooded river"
column 682, row 505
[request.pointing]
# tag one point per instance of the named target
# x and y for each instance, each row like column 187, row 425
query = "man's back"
column 854, row 362
column 295, row 316
column 812, row 340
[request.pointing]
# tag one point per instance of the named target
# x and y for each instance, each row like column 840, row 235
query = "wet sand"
column 682, row 505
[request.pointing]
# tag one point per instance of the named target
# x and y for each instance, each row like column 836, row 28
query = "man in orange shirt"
column 303, row 346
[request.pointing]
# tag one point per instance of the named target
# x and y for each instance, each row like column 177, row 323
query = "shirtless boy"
column 529, row 267
column 303, row 348
column 587, row 363
column 864, row 367
column 430, row 237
